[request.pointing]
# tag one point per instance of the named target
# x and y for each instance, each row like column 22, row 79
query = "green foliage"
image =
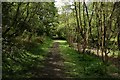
column 96, row 68
column 32, row 18
column 82, row 65
column 22, row 63
column 61, row 33
column 25, row 27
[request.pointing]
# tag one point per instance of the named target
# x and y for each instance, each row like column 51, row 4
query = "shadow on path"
column 53, row 64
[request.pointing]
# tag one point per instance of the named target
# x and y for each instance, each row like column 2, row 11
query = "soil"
column 53, row 64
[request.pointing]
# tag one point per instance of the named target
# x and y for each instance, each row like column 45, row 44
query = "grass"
column 79, row 65
column 26, row 60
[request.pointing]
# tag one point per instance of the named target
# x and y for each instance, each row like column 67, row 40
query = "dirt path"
column 53, row 65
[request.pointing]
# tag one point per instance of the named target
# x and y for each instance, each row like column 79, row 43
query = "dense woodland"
column 88, row 35
column 93, row 27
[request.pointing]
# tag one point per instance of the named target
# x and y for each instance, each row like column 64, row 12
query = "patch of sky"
column 60, row 3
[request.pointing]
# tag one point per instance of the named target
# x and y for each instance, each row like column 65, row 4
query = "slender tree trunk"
column 78, row 28
column 118, row 36
column 97, row 23
column 102, row 33
column 85, row 30
column 105, row 29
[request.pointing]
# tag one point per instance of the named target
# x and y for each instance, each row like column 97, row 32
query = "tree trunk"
column 118, row 37
column 78, row 28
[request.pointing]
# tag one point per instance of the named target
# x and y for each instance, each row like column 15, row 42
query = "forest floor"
column 64, row 62
column 114, row 59
column 55, row 59
column 53, row 64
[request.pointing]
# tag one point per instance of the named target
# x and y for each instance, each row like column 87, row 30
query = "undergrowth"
column 21, row 62
column 82, row 65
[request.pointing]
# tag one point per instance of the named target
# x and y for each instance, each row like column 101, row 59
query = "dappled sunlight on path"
column 53, row 65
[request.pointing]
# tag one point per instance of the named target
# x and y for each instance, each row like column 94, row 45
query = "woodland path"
column 53, row 64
